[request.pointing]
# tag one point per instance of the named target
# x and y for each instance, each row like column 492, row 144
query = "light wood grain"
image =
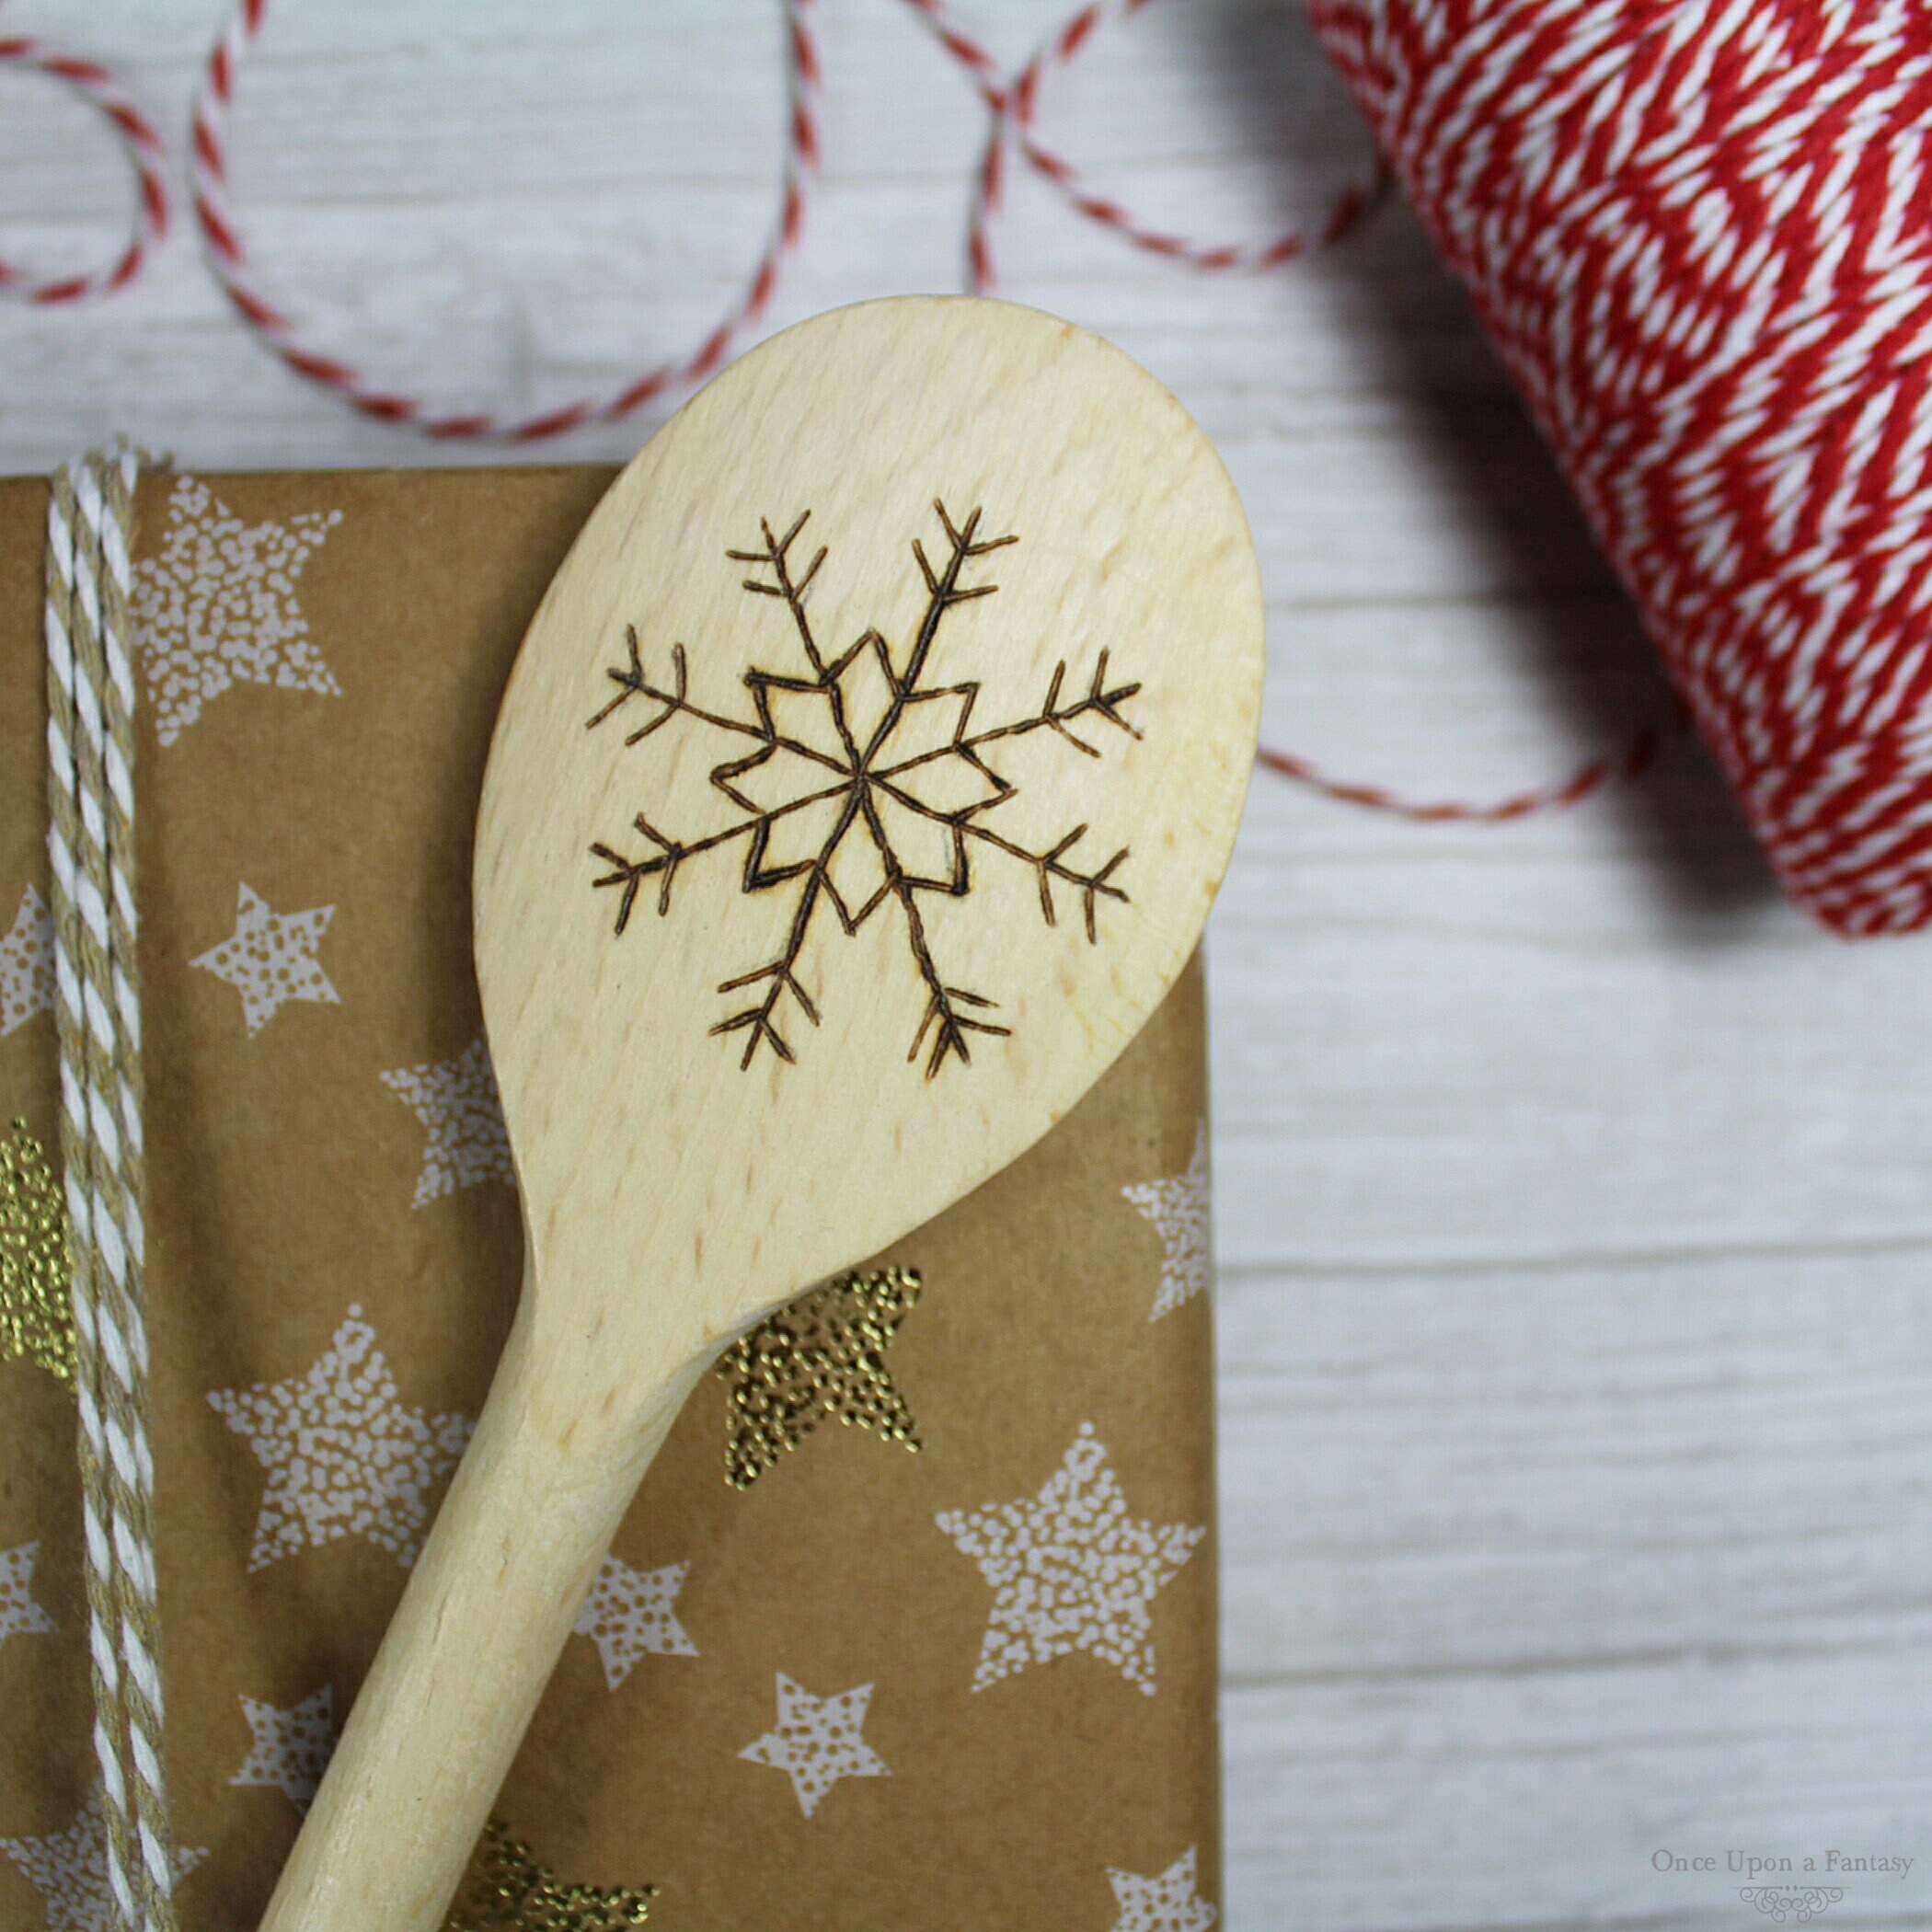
column 833, row 842
column 1506, row 1122
column 1487, row 1793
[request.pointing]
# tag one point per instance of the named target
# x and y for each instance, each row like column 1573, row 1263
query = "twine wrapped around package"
column 90, row 759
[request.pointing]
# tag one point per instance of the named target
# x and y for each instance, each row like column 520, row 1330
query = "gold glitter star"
column 823, row 1356
column 506, row 1890
column 36, row 1316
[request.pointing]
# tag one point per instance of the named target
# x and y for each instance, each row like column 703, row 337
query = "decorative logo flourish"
column 1782, row 1903
column 866, row 783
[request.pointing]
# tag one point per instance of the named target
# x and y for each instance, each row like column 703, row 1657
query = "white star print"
column 1177, row 1206
column 1169, row 1902
column 817, row 1740
column 630, row 1613
column 1071, row 1570
column 19, row 1614
column 69, row 1870
column 456, row 1101
column 271, row 957
column 217, row 606
column 26, row 963
column 292, row 1747
column 345, row 1457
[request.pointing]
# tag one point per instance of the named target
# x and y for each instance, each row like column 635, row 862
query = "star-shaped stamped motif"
column 26, row 963
column 271, row 957
column 631, row 1614
column 1071, row 1570
column 821, row 1357
column 69, row 1870
column 1170, row 1901
column 36, row 1304
column 818, row 1741
column 216, row 606
column 1179, row 1207
column 292, row 1747
column 345, row 1455
column 19, row 1614
column 456, row 1101
column 505, row 1890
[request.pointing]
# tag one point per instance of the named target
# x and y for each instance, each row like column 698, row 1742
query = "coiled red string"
column 143, row 147
column 233, row 266
column 1599, row 775
column 1701, row 236
column 1013, row 103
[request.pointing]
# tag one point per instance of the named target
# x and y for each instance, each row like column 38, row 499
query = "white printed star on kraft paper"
column 69, row 1870
column 457, row 1103
column 817, row 1742
column 19, row 1614
column 26, row 963
column 271, row 957
column 1071, row 1570
column 1170, row 1901
column 292, row 1747
column 631, row 1614
column 216, row 606
column 345, row 1455
column 1178, row 1205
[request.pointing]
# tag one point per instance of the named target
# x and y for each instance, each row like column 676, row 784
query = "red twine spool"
column 1701, row 238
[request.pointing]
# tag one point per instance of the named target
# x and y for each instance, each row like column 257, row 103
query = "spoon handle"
column 531, row 1510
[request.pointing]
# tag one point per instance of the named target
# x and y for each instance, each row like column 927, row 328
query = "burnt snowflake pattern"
column 862, row 782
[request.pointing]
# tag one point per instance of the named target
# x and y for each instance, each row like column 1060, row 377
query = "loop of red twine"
column 1013, row 104
column 1599, row 775
column 229, row 256
column 141, row 144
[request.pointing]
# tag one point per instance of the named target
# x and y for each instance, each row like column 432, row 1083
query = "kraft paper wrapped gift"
column 952, row 1665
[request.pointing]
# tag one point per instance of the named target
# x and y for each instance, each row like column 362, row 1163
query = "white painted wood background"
column 1575, row 1217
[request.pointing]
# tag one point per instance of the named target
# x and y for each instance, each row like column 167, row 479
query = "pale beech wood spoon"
column 861, row 788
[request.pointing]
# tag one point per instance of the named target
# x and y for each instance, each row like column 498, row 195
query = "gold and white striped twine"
column 90, row 757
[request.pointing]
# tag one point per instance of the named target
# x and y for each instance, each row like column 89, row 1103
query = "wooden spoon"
column 861, row 787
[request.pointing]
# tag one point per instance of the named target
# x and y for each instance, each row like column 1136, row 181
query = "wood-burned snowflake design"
column 866, row 784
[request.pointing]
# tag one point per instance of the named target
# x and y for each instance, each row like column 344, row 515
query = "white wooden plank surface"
column 1577, row 1360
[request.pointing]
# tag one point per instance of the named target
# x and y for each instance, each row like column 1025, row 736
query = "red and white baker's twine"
column 228, row 254
column 1701, row 237
column 137, row 133
column 1014, row 108
column 1013, row 103
column 1599, row 775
